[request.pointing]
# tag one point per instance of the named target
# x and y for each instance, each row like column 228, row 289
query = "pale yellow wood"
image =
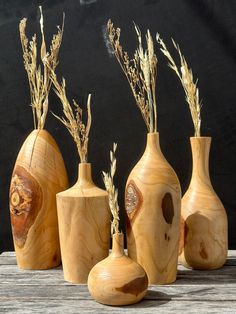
column 84, row 226
column 152, row 199
column 205, row 233
column 117, row 280
column 39, row 174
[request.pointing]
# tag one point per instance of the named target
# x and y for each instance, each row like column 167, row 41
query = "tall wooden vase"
column 117, row 280
column 39, row 174
column 84, row 226
column 152, row 201
column 204, row 242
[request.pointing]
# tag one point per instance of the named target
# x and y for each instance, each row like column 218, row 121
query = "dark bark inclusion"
column 133, row 199
column 168, row 208
column 203, row 252
column 25, row 203
column 135, row 286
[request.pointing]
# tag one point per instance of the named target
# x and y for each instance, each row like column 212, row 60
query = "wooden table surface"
column 46, row 292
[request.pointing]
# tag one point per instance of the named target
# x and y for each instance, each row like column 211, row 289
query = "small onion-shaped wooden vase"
column 39, row 174
column 84, row 226
column 152, row 201
column 204, row 234
column 117, row 280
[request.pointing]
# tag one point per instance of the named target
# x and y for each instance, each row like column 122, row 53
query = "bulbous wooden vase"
column 39, row 174
column 117, row 280
column 152, row 201
column 204, row 234
column 84, row 226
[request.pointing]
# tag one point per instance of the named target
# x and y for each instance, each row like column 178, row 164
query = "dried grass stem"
column 112, row 191
column 73, row 118
column 140, row 72
column 38, row 78
column 185, row 76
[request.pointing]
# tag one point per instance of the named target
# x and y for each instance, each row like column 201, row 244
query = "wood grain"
column 152, row 201
column 39, row 173
column 84, row 226
column 204, row 241
column 117, row 280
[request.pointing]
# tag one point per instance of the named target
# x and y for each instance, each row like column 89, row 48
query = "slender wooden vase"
column 152, row 201
column 204, row 242
column 117, row 280
column 84, row 226
column 39, row 174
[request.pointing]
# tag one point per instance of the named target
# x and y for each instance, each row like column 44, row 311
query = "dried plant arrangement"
column 112, row 191
column 39, row 80
column 73, row 117
column 140, row 71
column 185, row 75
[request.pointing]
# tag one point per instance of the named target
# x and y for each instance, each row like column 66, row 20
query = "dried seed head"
column 140, row 72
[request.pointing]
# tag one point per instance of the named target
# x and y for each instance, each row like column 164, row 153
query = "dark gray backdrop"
column 206, row 32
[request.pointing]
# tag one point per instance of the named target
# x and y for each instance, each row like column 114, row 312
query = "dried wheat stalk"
column 39, row 80
column 73, row 119
column 112, row 191
column 186, row 78
column 140, row 71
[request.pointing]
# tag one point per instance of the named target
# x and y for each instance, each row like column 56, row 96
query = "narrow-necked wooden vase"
column 39, row 174
column 152, row 201
column 204, row 242
column 84, row 226
column 117, row 280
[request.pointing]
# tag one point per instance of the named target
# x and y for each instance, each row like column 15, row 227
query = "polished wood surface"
column 117, row 280
column 84, row 226
column 152, row 201
column 204, row 241
column 39, row 174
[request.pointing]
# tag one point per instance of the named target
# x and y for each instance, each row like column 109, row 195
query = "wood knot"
column 167, row 208
column 203, row 252
column 25, row 203
column 133, row 199
column 135, row 286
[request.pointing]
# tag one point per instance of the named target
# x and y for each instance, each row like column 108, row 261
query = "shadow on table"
column 152, row 299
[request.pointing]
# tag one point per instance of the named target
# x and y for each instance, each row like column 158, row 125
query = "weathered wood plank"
column 47, row 292
column 9, row 258
column 80, row 292
column 9, row 273
column 144, row 307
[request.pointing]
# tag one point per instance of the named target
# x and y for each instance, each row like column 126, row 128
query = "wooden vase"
column 84, row 226
column 117, row 280
column 39, row 174
column 204, row 236
column 152, row 201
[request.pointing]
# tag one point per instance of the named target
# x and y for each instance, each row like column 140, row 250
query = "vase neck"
column 153, row 143
column 200, row 156
column 117, row 245
column 85, row 175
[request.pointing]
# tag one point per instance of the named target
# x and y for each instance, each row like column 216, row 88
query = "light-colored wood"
column 204, row 242
column 117, row 280
column 152, row 201
column 24, row 291
column 84, row 226
column 39, row 174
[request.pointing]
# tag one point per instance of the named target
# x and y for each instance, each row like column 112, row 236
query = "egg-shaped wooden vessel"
column 204, row 234
column 152, row 201
column 39, row 174
column 84, row 226
column 117, row 280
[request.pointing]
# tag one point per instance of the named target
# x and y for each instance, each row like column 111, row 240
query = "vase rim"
column 84, row 163
column 200, row 137
column 152, row 133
